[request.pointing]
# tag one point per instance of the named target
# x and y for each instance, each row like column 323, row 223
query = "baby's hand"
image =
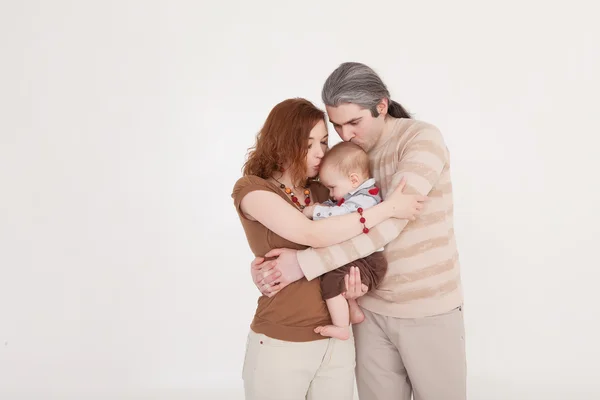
column 309, row 210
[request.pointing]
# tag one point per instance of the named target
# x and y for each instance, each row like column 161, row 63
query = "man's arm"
column 287, row 259
column 421, row 164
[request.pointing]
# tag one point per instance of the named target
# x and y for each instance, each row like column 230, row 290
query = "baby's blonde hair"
column 347, row 158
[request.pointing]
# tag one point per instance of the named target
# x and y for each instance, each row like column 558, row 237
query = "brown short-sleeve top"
column 299, row 308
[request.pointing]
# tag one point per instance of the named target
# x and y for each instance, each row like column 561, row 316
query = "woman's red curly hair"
column 283, row 140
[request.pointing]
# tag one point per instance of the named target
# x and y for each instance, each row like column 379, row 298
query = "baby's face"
column 338, row 184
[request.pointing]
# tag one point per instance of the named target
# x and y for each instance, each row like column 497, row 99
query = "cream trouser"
column 400, row 357
column 317, row 370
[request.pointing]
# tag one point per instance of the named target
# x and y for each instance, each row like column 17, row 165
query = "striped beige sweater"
column 423, row 275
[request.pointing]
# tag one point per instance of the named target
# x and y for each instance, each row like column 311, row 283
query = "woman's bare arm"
column 282, row 218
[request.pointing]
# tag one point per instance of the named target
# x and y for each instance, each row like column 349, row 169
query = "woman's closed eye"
column 326, row 143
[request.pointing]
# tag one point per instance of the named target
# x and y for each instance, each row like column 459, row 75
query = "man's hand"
column 272, row 276
column 354, row 287
column 264, row 275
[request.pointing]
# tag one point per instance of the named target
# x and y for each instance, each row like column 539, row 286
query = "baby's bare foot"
column 337, row 332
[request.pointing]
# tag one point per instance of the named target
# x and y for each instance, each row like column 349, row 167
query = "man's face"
column 357, row 125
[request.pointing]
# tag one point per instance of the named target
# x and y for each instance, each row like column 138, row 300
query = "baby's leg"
column 355, row 273
column 338, row 309
column 356, row 314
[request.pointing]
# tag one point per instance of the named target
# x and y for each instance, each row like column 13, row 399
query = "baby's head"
column 343, row 169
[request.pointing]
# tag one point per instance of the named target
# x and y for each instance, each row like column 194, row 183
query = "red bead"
column 362, row 220
column 366, row 230
column 294, row 199
column 307, row 201
column 360, row 210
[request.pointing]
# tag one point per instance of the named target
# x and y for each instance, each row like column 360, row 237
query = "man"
column 412, row 339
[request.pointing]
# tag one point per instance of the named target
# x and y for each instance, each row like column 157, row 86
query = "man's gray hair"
column 358, row 84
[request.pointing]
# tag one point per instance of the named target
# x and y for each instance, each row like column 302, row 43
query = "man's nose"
column 347, row 133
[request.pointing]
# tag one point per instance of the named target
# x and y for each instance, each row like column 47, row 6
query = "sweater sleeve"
column 421, row 162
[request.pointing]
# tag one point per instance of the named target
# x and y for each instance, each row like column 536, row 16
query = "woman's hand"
column 354, row 287
column 405, row 206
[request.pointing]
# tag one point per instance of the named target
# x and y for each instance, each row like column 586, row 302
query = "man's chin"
column 360, row 144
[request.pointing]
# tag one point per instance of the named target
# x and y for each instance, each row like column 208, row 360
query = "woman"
column 285, row 358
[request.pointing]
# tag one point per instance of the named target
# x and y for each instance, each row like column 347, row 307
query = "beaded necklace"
column 290, row 193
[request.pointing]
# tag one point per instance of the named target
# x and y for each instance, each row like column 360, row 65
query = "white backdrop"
column 124, row 271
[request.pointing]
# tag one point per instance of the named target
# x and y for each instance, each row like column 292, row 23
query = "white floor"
column 479, row 389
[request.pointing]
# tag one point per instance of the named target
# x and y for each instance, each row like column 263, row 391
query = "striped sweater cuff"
column 311, row 264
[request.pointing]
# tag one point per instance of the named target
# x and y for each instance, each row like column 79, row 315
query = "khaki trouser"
column 317, row 370
column 398, row 357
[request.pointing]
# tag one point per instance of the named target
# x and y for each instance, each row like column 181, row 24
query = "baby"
column 345, row 172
